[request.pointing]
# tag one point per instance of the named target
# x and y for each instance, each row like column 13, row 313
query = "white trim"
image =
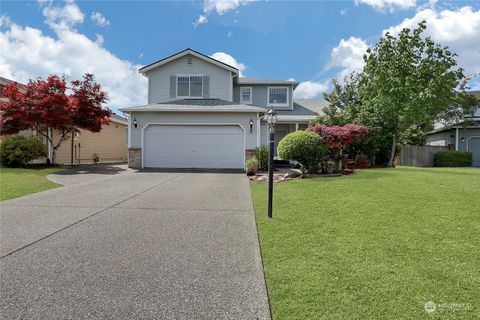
column 470, row 138
column 287, row 104
column 259, row 124
column 456, row 139
column 142, row 136
column 178, row 55
column 251, row 96
column 189, row 81
column 130, row 130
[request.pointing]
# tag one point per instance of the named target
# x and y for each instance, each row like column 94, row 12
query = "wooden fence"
column 419, row 156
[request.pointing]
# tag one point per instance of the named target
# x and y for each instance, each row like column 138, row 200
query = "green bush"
column 262, row 156
column 305, row 147
column 18, row 151
column 453, row 159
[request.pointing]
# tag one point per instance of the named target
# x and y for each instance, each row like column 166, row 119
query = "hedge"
column 453, row 159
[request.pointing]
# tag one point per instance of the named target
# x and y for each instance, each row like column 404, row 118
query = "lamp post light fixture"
column 135, row 124
column 271, row 118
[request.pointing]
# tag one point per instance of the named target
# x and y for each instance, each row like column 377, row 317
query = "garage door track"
column 141, row 245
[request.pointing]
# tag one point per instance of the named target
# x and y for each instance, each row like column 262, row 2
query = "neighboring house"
column 202, row 114
column 462, row 136
column 108, row 145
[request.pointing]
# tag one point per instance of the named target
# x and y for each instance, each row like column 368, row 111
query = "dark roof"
column 468, row 124
column 6, row 81
column 306, row 107
column 180, row 52
column 201, row 102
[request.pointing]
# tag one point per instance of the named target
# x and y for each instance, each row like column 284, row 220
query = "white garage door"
column 194, row 146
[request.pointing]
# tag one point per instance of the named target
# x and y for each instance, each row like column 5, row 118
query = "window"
column 190, row 86
column 245, row 94
column 278, row 96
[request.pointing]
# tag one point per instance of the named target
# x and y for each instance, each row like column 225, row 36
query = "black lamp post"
column 271, row 118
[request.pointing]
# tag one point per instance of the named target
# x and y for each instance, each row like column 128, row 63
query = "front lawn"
column 375, row 245
column 16, row 182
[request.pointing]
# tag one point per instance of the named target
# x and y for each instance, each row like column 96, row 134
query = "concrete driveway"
column 138, row 245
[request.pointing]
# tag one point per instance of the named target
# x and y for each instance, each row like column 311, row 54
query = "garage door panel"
column 474, row 147
column 193, row 146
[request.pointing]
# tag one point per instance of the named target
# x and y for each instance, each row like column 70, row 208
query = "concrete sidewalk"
column 143, row 245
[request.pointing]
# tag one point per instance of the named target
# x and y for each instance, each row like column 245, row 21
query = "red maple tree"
column 45, row 106
column 340, row 137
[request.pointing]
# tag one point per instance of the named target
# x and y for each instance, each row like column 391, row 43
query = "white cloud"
column 99, row 19
column 99, row 39
column 29, row 53
column 223, row 6
column 62, row 17
column 388, row 5
column 343, row 12
column 200, row 20
column 220, row 7
column 310, row 89
column 348, row 56
column 458, row 29
column 228, row 59
column 229, row 34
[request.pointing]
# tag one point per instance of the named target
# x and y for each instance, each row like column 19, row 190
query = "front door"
column 279, row 135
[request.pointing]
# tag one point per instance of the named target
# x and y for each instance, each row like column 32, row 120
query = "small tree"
column 340, row 137
column 45, row 105
column 408, row 82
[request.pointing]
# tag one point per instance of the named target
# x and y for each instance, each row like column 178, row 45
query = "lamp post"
column 271, row 118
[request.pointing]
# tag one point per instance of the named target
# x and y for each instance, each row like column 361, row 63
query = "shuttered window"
column 190, row 86
column 278, row 96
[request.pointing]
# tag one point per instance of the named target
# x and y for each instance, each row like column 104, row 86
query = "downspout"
column 258, row 130
column 456, row 139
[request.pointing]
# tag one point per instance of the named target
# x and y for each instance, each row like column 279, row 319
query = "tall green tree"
column 407, row 83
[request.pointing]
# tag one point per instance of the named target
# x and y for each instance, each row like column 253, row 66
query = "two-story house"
column 202, row 114
column 461, row 136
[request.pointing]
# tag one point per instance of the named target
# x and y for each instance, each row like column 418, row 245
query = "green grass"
column 375, row 245
column 15, row 182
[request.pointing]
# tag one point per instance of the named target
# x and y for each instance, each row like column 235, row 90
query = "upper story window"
column 246, row 95
column 190, row 86
column 278, row 96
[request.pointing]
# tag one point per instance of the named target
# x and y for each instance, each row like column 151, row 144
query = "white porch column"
column 456, row 139
column 258, row 130
column 296, row 126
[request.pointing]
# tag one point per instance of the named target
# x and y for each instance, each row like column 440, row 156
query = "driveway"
column 137, row 245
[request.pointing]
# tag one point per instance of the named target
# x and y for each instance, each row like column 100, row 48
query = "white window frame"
column 251, row 95
column 287, row 104
column 189, row 81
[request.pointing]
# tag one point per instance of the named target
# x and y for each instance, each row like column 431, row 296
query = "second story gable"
column 189, row 74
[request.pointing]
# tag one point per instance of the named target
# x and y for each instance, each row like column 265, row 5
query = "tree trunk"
column 391, row 162
column 340, row 164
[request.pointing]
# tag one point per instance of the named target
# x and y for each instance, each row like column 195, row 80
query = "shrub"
column 251, row 165
column 18, row 151
column 305, row 147
column 262, row 156
column 453, row 159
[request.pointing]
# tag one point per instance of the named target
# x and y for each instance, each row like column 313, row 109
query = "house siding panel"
column 220, row 80
column 110, row 145
column 260, row 95
column 143, row 118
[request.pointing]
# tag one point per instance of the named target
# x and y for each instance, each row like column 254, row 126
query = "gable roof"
column 182, row 53
column 5, row 81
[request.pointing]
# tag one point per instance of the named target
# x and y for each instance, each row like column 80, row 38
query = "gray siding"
column 220, row 83
column 143, row 118
column 260, row 95
column 442, row 136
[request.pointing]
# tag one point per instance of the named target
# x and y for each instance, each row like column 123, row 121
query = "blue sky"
column 309, row 41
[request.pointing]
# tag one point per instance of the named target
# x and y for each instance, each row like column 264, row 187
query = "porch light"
column 251, row 125
column 135, row 124
column 462, row 139
column 271, row 118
